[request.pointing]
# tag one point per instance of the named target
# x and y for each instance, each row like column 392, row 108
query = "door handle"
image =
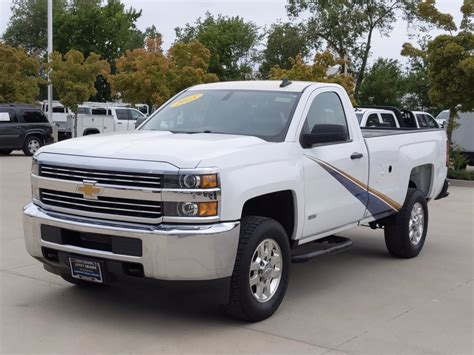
column 356, row 155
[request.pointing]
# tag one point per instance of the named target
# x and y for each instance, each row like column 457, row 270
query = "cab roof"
column 264, row 85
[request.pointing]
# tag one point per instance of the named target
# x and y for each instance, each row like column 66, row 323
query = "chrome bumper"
column 170, row 252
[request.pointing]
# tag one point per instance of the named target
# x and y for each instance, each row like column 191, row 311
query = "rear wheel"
column 405, row 232
column 261, row 270
column 32, row 145
column 5, row 151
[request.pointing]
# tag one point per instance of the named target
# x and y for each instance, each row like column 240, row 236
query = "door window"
column 388, row 118
column 422, row 121
column 122, row 114
column 431, row 122
column 33, row 116
column 326, row 115
column 372, row 120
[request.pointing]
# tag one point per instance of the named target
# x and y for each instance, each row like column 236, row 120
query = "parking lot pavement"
column 359, row 301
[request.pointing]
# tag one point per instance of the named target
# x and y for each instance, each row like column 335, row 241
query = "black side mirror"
column 311, row 139
column 139, row 121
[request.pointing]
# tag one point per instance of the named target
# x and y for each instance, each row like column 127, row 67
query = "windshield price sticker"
column 186, row 100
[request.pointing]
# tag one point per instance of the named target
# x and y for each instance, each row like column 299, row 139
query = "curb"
column 461, row 183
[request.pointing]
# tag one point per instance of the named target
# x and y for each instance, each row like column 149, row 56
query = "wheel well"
column 91, row 131
column 35, row 134
column 421, row 177
column 279, row 206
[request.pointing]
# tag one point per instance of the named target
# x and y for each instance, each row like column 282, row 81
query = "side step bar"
column 329, row 245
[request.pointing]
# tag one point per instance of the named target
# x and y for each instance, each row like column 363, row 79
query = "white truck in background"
column 373, row 117
column 229, row 183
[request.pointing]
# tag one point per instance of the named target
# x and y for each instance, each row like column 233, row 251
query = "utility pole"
column 50, row 50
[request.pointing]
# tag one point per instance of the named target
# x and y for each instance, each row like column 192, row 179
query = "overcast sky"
column 166, row 15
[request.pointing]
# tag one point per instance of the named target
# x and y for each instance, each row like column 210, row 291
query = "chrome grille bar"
column 104, row 177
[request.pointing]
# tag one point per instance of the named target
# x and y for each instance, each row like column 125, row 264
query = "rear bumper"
column 169, row 252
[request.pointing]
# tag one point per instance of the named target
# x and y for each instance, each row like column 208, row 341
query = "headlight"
column 190, row 209
column 191, row 181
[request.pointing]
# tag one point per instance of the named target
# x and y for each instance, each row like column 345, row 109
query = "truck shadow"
column 147, row 304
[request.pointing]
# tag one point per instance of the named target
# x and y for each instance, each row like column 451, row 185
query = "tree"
column 230, row 40
column 19, row 75
column 285, row 41
column 27, row 27
column 383, row 84
column 148, row 75
column 450, row 60
column 319, row 71
column 73, row 77
column 346, row 27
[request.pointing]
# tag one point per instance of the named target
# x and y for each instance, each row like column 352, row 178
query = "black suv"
column 23, row 127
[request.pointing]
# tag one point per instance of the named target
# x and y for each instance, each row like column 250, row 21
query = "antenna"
column 285, row 82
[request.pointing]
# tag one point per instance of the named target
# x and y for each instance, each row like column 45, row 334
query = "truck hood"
column 181, row 150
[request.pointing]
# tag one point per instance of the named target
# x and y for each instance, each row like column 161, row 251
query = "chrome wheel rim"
column 416, row 224
column 265, row 270
column 33, row 146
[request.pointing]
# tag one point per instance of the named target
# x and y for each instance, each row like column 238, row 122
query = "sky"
column 166, row 15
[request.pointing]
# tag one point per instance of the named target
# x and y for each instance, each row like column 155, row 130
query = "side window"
column 136, row 114
column 33, row 116
column 326, row 116
column 122, row 114
column 99, row 111
column 388, row 118
column 7, row 115
column 372, row 120
column 431, row 122
column 422, row 121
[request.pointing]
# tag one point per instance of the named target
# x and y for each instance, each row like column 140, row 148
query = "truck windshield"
column 264, row 114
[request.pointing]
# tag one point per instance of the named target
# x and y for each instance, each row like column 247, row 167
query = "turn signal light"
column 207, row 209
column 208, row 181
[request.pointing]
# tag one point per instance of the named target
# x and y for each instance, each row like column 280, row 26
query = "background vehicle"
column 372, row 117
column 423, row 119
column 106, row 119
column 230, row 182
column 23, row 127
column 463, row 134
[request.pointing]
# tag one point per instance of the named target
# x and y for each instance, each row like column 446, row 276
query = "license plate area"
column 87, row 270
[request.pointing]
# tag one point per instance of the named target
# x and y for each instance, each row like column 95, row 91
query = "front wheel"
column 261, row 270
column 405, row 232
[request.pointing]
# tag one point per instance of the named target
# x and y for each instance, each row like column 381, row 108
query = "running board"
column 329, row 245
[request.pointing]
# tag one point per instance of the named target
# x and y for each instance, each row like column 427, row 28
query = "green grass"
column 460, row 174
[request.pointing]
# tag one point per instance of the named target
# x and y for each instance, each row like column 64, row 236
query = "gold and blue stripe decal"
column 376, row 202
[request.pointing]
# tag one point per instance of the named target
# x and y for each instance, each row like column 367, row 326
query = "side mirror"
column 139, row 121
column 311, row 139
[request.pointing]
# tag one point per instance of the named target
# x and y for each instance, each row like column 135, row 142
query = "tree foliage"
column 73, row 77
column 148, row 75
column 383, row 84
column 285, row 42
column 319, row 71
column 346, row 27
column 19, row 75
column 230, row 40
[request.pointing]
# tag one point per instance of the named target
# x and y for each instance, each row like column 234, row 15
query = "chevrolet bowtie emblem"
column 89, row 190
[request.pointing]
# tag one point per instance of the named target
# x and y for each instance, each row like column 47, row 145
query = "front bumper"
column 169, row 252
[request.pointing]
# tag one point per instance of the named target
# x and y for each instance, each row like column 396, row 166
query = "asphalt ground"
column 360, row 301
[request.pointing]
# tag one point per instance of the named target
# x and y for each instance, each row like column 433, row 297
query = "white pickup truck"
column 229, row 183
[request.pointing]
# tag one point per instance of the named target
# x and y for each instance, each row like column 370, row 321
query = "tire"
column 5, row 151
column 243, row 303
column 32, row 144
column 403, row 236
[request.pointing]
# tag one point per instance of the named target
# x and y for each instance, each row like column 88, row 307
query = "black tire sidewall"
column 398, row 234
column 255, row 310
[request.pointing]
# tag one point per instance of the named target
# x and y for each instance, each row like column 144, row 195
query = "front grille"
column 104, row 177
column 104, row 205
